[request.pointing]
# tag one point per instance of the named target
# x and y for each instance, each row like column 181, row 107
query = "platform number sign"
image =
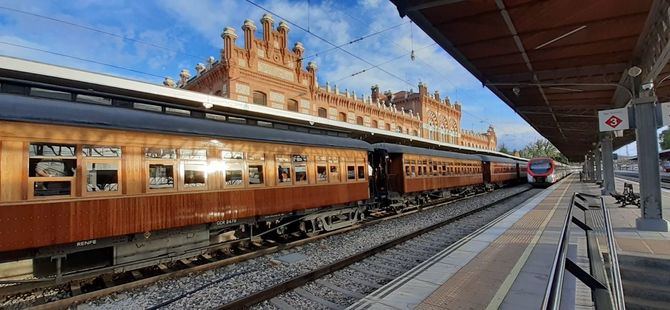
column 614, row 119
column 665, row 112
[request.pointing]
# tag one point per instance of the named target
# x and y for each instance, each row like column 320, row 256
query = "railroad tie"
column 339, row 289
column 372, row 273
column 326, row 303
column 281, row 304
column 364, row 282
column 75, row 288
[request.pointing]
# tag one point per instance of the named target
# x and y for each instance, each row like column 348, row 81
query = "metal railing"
column 603, row 277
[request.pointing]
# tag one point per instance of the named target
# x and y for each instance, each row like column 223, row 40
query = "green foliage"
column 664, row 139
column 542, row 148
column 503, row 149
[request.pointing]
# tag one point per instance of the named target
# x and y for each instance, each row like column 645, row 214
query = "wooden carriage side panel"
column 30, row 225
column 13, row 169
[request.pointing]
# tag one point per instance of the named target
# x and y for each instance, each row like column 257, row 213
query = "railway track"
column 632, row 176
column 370, row 268
column 77, row 288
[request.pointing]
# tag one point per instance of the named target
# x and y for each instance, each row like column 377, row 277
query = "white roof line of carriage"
column 44, row 69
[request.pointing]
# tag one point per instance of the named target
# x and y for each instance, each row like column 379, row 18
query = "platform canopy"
column 555, row 62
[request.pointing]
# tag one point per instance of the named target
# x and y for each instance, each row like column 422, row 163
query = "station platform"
column 506, row 264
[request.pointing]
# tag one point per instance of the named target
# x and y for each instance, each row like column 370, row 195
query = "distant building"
column 265, row 71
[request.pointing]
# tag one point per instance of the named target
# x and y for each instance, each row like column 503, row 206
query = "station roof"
column 555, row 62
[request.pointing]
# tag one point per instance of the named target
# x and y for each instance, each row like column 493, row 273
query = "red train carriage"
column 545, row 171
column 116, row 185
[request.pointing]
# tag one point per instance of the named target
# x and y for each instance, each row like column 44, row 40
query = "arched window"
column 415, row 133
column 217, row 93
column 375, row 124
column 323, row 113
column 292, row 105
column 359, row 120
column 388, row 126
column 260, row 98
column 399, row 129
column 342, row 117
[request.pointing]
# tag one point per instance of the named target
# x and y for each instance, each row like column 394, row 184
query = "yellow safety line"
column 498, row 298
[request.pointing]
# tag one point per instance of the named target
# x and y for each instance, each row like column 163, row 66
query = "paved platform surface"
column 506, row 265
column 628, row 239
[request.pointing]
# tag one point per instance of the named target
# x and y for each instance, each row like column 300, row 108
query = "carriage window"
column 420, row 171
column 102, row 176
column 321, row 173
column 194, row 167
column 193, row 154
column 51, row 169
column 444, row 169
column 233, row 173
column 321, row 169
column 334, row 174
column 300, row 167
column 425, row 170
column 101, row 151
column 413, row 171
column 161, row 176
column 361, row 173
column 435, row 171
column 407, row 171
column 158, row 153
column 233, row 155
column 256, row 174
column 283, row 170
column 195, row 174
column 351, row 172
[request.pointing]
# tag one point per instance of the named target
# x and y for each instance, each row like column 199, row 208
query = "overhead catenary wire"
column 327, row 41
column 80, row 59
column 418, row 59
column 89, row 28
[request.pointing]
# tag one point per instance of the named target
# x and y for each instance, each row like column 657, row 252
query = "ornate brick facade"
column 265, row 71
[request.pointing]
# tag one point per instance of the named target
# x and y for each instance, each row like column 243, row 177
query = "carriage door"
column 486, row 167
column 518, row 171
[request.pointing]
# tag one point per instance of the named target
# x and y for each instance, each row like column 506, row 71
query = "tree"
column 503, row 149
column 664, row 139
column 542, row 148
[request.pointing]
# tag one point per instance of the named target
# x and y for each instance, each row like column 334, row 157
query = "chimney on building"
column 283, row 32
column 423, row 89
column 267, row 23
column 249, row 29
column 374, row 93
column 229, row 37
column 437, row 95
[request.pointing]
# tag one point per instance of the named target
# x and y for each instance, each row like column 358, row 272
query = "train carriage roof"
column 50, row 111
column 497, row 159
column 404, row 149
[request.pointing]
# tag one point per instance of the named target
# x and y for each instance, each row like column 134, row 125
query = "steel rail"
column 298, row 281
column 89, row 275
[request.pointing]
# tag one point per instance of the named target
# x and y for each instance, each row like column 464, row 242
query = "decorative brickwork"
column 265, row 71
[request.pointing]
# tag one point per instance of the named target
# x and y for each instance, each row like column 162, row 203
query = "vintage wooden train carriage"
column 72, row 172
column 413, row 169
column 500, row 170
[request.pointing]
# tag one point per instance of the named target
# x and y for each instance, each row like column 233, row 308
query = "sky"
column 148, row 40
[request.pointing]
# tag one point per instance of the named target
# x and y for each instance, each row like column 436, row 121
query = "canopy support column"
column 647, row 155
column 608, row 164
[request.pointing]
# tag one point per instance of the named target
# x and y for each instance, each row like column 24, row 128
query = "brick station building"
column 268, row 72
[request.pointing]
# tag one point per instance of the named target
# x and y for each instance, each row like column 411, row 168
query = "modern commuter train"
column 85, row 185
column 546, row 171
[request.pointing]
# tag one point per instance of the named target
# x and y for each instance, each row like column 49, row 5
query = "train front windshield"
column 540, row 166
